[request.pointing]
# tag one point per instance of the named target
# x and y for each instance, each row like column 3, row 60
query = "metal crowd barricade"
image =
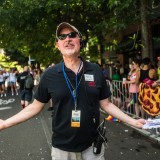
column 122, row 98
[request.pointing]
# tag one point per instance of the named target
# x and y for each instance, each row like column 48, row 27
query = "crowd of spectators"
column 127, row 92
column 8, row 80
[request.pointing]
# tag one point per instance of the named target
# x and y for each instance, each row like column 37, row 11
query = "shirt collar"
column 86, row 65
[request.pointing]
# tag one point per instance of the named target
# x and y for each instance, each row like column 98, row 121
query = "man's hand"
column 139, row 123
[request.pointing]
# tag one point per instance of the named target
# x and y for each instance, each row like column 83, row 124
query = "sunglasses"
column 70, row 35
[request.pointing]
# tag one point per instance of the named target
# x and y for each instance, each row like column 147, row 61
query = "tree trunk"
column 145, row 30
column 99, row 54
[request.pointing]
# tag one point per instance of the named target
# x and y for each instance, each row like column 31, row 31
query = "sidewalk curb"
column 153, row 137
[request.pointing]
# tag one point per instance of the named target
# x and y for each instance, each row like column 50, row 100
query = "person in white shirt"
column 2, row 84
column 12, row 82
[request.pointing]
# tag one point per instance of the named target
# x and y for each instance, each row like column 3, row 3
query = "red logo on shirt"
column 92, row 84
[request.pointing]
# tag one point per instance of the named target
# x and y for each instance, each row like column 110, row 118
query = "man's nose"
column 68, row 38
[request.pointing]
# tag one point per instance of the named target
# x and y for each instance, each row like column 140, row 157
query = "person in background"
column 146, row 72
column 78, row 90
column 50, row 101
column 25, row 93
column 116, row 75
column 36, row 77
column 5, row 74
column 2, row 84
column 158, row 69
column 134, row 87
column 147, row 75
column 12, row 81
column 126, row 69
column 157, row 82
column 105, row 71
column 121, row 70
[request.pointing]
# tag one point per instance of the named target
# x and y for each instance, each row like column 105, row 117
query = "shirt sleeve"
column 105, row 90
column 105, row 87
column 42, row 93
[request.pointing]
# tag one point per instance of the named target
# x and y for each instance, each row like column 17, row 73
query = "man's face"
column 69, row 46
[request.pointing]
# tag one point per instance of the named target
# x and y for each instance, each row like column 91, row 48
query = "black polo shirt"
column 53, row 85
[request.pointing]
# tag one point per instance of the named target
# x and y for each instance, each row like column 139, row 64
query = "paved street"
column 127, row 144
column 27, row 141
column 31, row 140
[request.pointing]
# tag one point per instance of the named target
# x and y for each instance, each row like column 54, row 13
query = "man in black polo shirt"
column 78, row 89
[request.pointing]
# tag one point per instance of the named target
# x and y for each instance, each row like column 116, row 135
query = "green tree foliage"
column 29, row 25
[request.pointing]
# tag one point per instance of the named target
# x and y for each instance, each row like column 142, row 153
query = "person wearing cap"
column 78, row 89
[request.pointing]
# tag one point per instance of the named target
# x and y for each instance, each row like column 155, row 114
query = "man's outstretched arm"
column 113, row 110
column 25, row 114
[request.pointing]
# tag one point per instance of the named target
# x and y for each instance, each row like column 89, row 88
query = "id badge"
column 76, row 117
